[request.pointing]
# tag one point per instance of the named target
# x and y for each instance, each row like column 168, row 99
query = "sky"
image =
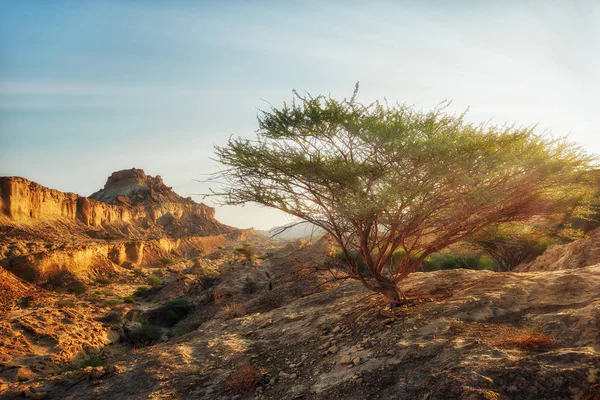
column 92, row 87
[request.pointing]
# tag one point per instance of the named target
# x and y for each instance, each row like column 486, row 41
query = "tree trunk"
column 390, row 291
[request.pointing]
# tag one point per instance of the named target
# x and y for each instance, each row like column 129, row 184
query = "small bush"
column 167, row 261
column 128, row 300
column 266, row 256
column 179, row 331
column 154, row 281
column 103, row 281
column 112, row 302
column 437, row 262
column 250, row 286
column 171, row 312
column 65, row 303
column 244, row 378
column 92, row 362
column 219, row 296
column 146, row 335
column 142, row 291
column 247, row 251
column 78, row 288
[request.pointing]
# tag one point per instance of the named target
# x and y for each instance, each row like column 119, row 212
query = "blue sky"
column 90, row 87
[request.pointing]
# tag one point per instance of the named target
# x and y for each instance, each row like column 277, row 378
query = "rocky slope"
column 463, row 335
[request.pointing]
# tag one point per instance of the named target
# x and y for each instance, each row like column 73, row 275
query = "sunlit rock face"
column 129, row 196
column 133, row 188
column 134, row 219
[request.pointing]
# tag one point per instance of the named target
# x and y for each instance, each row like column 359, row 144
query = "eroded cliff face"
column 135, row 219
column 26, row 201
column 129, row 197
column 155, row 201
column 88, row 262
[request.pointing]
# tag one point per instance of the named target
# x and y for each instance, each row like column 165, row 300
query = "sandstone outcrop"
column 130, row 200
column 578, row 254
column 134, row 219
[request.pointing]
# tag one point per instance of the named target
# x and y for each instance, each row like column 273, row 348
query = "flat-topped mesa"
column 129, row 197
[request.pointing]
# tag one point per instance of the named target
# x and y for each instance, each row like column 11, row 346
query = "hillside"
column 464, row 334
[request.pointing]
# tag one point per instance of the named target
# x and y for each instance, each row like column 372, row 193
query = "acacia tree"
column 381, row 178
column 510, row 246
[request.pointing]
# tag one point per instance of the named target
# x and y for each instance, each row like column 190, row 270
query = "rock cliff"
column 130, row 197
column 134, row 219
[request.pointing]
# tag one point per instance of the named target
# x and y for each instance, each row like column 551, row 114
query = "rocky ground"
column 464, row 334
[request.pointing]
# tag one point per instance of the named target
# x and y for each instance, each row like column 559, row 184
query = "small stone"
column 336, row 329
column 298, row 391
column 356, row 360
column 386, row 321
column 287, row 376
column 266, row 323
column 272, row 381
column 345, row 360
column 391, row 353
column 386, row 313
column 334, row 349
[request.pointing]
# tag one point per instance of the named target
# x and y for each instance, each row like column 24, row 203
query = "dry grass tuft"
column 505, row 335
column 527, row 339
column 244, row 378
column 235, row 309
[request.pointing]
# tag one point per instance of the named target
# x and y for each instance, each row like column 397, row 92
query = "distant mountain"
column 301, row 231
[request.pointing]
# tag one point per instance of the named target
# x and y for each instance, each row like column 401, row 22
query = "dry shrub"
column 527, row 339
column 235, row 309
column 244, row 378
column 219, row 296
column 304, row 270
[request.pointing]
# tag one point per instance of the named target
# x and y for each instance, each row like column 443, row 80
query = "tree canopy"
column 383, row 178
